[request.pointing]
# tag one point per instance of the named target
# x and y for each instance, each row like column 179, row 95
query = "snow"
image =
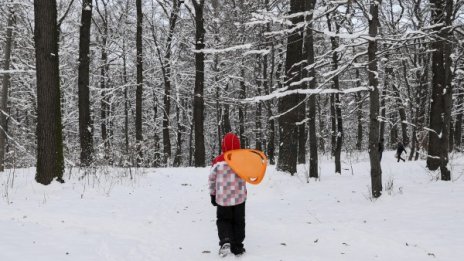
column 165, row 214
column 284, row 92
column 16, row 71
column 225, row 50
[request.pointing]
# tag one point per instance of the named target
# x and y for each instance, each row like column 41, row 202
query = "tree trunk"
column 383, row 109
column 333, row 125
column 458, row 124
column 6, row 86
column 166, row 66
column 336, row 101
column 50, row 160
column 272, row 122
column 401, row 110
column 242, row 108
column 310, row 57
column 85, row 120
column 268, row 87
column 126, row 100
column 139, row 90
column 178, row 156
column 156, row 140
column 286, row 105
column 198, row 100
column 219, row 110
column 359, row 112
column 226, row 126
column 440, row 110
column 104, row 100
column 376, row 170
column 451, row 137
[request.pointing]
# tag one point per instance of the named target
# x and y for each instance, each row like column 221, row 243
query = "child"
column 399, row 151
column 228, row 193
column 381, row 148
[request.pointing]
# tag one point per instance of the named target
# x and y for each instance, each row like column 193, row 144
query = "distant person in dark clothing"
column 381, row 148
column 400, row 150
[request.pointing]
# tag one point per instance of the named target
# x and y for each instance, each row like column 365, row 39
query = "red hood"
column 229, row 142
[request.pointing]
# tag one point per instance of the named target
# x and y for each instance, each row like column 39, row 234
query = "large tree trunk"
column 286, row 105
column 376, row 170
column 6, row 86
column 440, row 109
column 310, row 58
column 50, row 160
column 198, row 100
column 139, row 90
column 85, row 121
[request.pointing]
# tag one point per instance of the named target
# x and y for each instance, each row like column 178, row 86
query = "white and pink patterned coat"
column 229, row 188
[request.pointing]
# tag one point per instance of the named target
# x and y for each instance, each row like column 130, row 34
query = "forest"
column 157, row 83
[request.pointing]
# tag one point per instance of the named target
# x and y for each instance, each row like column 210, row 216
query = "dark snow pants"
column 231, row 225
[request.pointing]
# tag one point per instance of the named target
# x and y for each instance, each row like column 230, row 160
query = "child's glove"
column 213, row 200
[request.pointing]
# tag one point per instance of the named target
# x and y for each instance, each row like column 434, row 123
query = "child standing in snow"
column 228, row 193
column 399, row 151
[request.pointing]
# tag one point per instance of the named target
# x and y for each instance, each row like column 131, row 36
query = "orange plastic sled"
column 249, row 164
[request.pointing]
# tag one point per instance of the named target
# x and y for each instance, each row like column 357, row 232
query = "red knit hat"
column 230, row 142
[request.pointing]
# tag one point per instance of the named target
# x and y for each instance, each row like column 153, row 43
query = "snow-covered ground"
column 165, row 214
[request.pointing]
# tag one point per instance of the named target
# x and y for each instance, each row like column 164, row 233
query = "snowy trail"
column 165, row 214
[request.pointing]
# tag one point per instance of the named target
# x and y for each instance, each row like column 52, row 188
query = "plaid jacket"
column 229, row 188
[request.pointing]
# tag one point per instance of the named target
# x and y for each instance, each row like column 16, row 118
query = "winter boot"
column 238, row 251
column 224, row 250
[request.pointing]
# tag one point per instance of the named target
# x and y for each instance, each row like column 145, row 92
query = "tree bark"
column 287, row 105
column 242, row 108
column 166, row 68
column 198, row 100
column 440, row 109
column 6, row 87
column 310, row 58
column 139, row 89
column 104, row 99
column 458, row 124
column 126, row 100
column 359, row 113
column 50, row 160
column 85, row 120
column 338, row 135
column 376, row 170
column 399, row 104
